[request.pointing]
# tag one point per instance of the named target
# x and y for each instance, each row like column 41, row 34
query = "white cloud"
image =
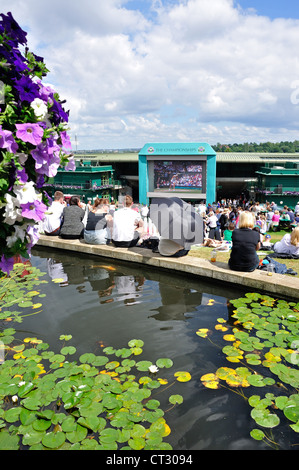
column 201, row 70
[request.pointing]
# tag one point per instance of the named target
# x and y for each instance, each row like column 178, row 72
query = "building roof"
column 221, row 157
column 259, row 157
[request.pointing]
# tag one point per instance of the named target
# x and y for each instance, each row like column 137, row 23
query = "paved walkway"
column 277, row 284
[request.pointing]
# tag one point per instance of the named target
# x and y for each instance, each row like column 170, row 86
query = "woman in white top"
column 289, row 244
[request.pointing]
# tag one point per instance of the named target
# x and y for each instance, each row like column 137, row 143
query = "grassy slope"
column 205, row 253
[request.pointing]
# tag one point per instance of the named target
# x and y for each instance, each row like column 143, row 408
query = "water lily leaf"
column 203, row 332
column 27, row 416
column 41, row 424
column 257, row 434
column 152, row 404
column 54, row 440
column 68, row 350
column 99, row 361
column 110, row 402
column 87, row 358
column 8, row 441
column 183, row 376
column 221, row 328
column 176, row 399
column 229, row 338
column 112, row 365
column 69, row 424
column 164, row 362
column 267, row 420
column 210, row 381
column 295, row 427
column 256, row 380
column 78, row 435
column 12, row 415
column 292, row 412
column 137, row 443
column 92, row 422
column 143, row 365
column 281, row 402
column 109, row 435
column 138, row 343
column 253, row 359
column 136, row 351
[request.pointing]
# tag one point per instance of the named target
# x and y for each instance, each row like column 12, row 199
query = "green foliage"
column 49, row 402
column 266, row 344
column 265, row 147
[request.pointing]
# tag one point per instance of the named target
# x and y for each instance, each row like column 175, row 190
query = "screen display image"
column 178, row 176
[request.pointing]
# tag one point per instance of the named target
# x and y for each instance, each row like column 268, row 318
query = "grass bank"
column 205, row 253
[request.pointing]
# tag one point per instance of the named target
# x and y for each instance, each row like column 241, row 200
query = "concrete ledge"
column 278, row 284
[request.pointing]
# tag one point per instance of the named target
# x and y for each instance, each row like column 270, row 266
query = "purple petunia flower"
column 12, row 29
column 47, row 158
column 7, row 141
column 34, row 210
column 32, row 133
column 59, row 114
column 71, row 165
column 22, row 176
column 28, row 90
column 6, row 264
column 66, row 141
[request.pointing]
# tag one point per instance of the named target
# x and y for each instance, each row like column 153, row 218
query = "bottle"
column 213, row 256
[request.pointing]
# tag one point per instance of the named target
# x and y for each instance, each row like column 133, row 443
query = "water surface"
column 107, row 304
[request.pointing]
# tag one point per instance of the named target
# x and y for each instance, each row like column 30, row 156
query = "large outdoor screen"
column 179, row 176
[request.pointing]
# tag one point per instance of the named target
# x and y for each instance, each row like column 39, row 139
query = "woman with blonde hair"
column 289, row 244
column 245, row 243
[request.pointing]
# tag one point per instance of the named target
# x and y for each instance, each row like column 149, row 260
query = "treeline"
column 266, row 147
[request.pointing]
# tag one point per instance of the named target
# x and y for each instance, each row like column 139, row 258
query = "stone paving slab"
column 277, row 284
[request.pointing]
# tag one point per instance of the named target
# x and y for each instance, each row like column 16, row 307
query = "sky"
column 134, row 72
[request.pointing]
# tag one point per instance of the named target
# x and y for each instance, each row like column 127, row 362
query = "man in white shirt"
column 127, row 224
column 53, row 216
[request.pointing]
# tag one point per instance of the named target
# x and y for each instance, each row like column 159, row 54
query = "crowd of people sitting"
column 241, row 229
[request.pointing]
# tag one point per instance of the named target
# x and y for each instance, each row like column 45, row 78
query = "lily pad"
column 54, row 440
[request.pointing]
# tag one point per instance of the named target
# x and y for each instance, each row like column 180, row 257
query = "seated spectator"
column 99, row 224
column 289, row 244
column 291, row 215
column 245, row 243
column 72, row 227
column 127, row 225
column 53, row 216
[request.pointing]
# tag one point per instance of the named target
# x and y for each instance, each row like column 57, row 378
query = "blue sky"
column 273, row 8
column 143, row 71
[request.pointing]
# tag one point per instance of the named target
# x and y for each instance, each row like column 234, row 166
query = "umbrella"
column 176, row 220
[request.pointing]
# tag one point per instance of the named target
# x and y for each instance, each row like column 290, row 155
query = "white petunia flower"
column 40, row 108
column 20, row 233
column 25, row 192
column 13, row 212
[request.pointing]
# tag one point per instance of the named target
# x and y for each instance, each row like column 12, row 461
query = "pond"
column 105, row 304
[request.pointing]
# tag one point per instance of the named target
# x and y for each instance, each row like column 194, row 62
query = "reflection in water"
column 56, row 271
column 107, row 304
